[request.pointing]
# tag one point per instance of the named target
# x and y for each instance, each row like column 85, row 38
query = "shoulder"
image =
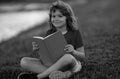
column 75, row 32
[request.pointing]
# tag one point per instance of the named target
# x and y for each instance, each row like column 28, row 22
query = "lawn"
column 98, row 21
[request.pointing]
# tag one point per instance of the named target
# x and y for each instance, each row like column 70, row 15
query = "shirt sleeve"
column 78, row 40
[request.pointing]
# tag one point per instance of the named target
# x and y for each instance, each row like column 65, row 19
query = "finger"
column 68, row 45
column 33, row 42
column 66, row 49
column 36, row 45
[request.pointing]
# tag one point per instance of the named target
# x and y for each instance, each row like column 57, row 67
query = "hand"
column 69, row 48
column 35, row 46
column 38, row 76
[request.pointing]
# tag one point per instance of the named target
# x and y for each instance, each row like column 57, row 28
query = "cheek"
column 65, row 20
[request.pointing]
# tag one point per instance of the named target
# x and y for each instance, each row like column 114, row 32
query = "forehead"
column 56, row 11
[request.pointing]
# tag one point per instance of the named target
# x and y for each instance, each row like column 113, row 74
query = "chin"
column 58, row 26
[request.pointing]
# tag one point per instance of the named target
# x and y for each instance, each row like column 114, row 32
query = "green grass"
column 99, row 23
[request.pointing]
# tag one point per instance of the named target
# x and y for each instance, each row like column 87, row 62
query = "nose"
column 56, row 18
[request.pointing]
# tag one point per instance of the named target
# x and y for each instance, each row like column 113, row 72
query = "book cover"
column 51, row 47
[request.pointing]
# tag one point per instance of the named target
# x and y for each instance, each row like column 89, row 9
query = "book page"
column 49, row 35
column 42, row 38
column 38, row 37
column 51, row 47
column 55, row 45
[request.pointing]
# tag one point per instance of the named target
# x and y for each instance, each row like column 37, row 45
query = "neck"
column 63, row 29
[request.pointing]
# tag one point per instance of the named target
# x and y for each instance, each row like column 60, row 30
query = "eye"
column 53, row 16
column 60, row 15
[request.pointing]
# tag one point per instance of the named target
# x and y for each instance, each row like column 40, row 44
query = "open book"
column 51, row 47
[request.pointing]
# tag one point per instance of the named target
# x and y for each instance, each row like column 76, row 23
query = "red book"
column 51, row 47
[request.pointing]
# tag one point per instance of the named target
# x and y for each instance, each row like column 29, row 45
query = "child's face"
column 58, row 19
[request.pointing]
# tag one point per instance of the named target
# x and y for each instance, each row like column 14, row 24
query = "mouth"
column 56, row 21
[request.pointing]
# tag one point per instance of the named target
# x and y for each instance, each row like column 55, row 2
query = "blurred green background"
column 99, row 23
column 29, row 1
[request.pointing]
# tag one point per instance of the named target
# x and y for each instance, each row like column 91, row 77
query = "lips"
column 57, row 22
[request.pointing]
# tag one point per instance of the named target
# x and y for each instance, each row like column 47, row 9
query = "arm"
column 78, row 53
